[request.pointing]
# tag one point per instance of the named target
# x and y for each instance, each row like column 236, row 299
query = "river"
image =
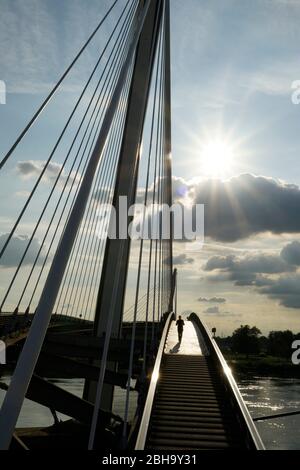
column 270, row 395
column 263, row 396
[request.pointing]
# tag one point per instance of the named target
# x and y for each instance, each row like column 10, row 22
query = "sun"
column 217, row 158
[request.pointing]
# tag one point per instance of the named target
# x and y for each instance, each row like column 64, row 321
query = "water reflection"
column 266, row 395
column 35, row 415
column 263, row 396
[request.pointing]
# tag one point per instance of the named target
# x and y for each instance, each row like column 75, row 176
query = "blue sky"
column 233, row 63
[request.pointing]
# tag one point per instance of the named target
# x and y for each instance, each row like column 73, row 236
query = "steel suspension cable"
column 82, row 239
column 142, row 303
column 53, row 91
column 111, row 147
column 83, row 228
column 105, row 350
column 75, row 176
column 95, row 135
column 60, row 198
column 152, row 209
column 130, row 368
column 57, row 144
column 29, row 355
column 87, row 232
column 158, row 195
column 100, row 248
column 62, row 167
column 163, row 193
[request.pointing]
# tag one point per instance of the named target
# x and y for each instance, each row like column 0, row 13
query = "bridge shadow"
column 176, row 348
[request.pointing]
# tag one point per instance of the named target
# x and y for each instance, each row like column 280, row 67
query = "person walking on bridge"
column 180, row 325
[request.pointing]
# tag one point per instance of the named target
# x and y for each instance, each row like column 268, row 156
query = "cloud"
column 213, row 300
column 15, row 250
column 273, row 275
column 182, row 259
column 291, row 253
column 33, row 168
column 215, row 311
column 247, row 205
column 240, row 207
column 286, row 289
column 274, row 78
column 22, row 194
column 212, row 310
column 180, row 190
column 246, row 270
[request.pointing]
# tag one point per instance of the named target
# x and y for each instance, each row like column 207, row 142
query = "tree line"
column 249, row 340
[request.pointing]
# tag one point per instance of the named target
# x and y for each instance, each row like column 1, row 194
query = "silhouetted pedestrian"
column 180, row 325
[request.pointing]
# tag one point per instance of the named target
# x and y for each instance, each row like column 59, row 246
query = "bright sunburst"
column 216, row 158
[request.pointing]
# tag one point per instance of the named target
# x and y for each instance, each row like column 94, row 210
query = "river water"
column 263, row 396
column 271, row 395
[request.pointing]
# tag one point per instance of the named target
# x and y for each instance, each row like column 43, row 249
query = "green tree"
column 245, row 340
column 280, row 343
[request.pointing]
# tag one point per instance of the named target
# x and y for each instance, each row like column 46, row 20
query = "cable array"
column 26, row 282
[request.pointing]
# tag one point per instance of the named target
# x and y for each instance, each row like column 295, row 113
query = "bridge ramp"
column 191, row 409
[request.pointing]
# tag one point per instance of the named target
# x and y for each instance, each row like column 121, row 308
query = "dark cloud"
column 182, row 259
column 247, row 205
column 216, row 311
column 240, row 207
column 259, row 270
column 212, row 311
column 246, row 270
column 219, row 262
column 212, row 300
column 291, row 253
column 286, row 290
column 33, row 168
column 15, row 250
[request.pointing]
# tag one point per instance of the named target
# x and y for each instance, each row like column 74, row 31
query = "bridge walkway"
column 193, row 407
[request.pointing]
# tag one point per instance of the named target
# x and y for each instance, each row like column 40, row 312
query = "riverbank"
column 269, row 366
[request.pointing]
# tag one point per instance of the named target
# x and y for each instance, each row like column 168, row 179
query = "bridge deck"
column 191, row 408
column 191, row 344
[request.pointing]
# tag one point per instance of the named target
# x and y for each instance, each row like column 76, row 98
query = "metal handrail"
column 256, row 439
column 143, row 430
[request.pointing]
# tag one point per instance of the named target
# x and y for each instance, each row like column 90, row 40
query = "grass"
column 262, row 365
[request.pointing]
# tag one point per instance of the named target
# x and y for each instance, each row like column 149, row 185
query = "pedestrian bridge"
column 193, row 401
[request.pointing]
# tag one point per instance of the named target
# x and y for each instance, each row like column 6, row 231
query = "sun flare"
column 216, row 158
